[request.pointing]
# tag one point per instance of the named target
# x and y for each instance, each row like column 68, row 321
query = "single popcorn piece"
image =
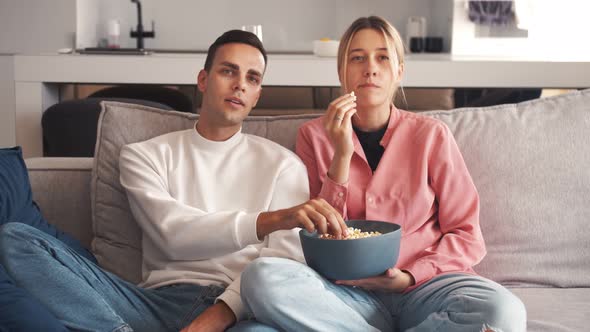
column 353, row 233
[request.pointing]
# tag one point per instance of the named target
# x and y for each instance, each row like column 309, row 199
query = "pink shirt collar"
column 394, row 116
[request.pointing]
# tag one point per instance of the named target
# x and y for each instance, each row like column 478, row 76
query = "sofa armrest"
column 61, row 188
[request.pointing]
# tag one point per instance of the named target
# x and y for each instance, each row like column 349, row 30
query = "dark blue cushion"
column 19, row 311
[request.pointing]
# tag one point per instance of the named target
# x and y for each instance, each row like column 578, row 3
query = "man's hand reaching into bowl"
column 313, row 215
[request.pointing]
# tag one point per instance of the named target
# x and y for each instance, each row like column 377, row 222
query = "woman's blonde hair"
column 391, row 36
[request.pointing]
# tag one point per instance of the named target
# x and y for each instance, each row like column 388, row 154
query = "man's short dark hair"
column 234, row 36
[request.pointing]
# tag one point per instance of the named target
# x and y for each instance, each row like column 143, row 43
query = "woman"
column 373, row 161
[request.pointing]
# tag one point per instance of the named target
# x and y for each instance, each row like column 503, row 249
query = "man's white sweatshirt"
column 197, row 202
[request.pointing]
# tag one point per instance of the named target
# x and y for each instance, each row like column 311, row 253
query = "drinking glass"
column 255, row 29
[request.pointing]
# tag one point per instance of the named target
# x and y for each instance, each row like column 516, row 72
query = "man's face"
column 232, row 86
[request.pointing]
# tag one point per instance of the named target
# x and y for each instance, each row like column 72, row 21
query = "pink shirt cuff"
column 421, row 271
column 335, row 194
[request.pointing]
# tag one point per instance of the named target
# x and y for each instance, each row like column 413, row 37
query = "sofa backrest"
column 529, row 162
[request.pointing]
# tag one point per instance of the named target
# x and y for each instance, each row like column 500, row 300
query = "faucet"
column 140, row 34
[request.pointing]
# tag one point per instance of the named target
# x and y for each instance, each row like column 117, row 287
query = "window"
column 543, row 29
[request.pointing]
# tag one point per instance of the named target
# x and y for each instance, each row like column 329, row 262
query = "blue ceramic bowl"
column 354, row 258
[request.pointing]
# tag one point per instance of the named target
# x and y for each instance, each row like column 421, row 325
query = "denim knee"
column 269, row 271
column 15, row 229
column 264, row 279
column 505, row 312
column 256, row 277
column 11, row 234
column 16, row 237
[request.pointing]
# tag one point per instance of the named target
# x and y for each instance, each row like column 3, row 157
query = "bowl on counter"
column 348, row 259
column 325, row 47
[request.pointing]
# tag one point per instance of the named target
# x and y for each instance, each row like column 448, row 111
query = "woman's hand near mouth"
column 338, row 125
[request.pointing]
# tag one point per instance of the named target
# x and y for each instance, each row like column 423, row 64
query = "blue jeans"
column 86, row 298
column 302, row 300
column 17, row 307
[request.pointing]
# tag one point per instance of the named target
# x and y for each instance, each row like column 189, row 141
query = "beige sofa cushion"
column 555, row 309
column 117, row 241
column 66, row 207
column 531, row 165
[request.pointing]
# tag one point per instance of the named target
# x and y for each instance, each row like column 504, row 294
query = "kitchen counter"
column 37, row 77
column 422, row 70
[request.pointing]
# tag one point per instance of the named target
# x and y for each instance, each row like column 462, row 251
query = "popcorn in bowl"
column 367, row 257
column 353, row 233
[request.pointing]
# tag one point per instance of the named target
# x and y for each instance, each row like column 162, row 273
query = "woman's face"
column 368, row 70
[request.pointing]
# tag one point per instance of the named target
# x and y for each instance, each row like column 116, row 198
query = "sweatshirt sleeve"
column 231, row 296
column 462, row 245
column 182, row 232
column 290, row 190
column 320, row 184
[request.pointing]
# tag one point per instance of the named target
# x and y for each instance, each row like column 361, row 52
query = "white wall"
column 7, row 116
column 87, row 23
column 287, row 25
column 441, row 24
column 34, row 26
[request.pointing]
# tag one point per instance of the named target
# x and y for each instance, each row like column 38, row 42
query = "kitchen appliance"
column 114, row 31
column 415, row 28
column 255, row 29
column 433, row 44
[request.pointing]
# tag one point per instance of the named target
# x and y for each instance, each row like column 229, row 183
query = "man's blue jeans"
column 85, row 297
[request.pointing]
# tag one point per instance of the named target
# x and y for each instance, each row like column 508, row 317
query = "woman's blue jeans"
column 302, row 300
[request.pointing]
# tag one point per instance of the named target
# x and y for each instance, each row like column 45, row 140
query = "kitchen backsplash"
column 286, row 25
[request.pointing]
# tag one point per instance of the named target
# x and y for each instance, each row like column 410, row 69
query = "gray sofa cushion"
column 67, row 207
column 555, row 309
column 530, row 163
column 117, row 242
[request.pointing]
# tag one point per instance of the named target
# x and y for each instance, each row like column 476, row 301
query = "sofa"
column 530, row 163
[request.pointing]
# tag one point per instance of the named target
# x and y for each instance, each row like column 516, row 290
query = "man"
column 209, row 200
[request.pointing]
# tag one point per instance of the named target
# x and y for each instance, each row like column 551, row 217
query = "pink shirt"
column 421, row 183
